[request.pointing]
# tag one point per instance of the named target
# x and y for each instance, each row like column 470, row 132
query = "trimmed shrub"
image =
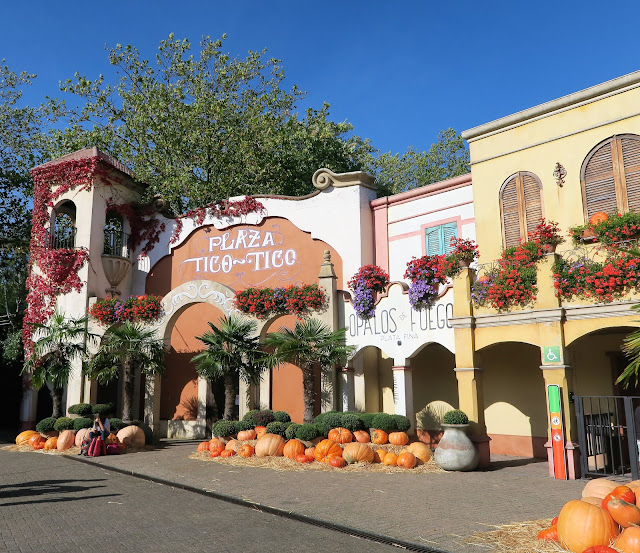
column 455, row 416
column 63, row 423
column 281, row 416
column 291, row 430
column 242, row 425
column 367, row 419
column 307, row 432
column 46, row 425
column 329, row 421
column 262, row 418
column 117, row 424
column 102, row 409
column 276, row 427
column 82, row 422
column 352, row 422
column 82, row 409
column 401, row 422
column 223, row 428
column 383, row 421
column 248, row 416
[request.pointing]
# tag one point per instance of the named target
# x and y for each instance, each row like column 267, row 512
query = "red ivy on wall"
column 144, row 227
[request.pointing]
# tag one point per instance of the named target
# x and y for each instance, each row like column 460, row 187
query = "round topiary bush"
column 291, row 430
column 242, row 425
column 329, row 421
column 307, row 432
column 117, row 424
column 63, row 423
column 82, row 409
column 276, row 427
column 262, row 418
column 102, row 409
column 383, row 421
column 46, row 425
column 223, row 428
column 281, row 416
column 352, row 422
column 82, row 422
column 248, row 416
column 367, row 419
column 402, row 423
column 455, row 416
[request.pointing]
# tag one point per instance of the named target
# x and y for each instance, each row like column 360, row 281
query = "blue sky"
column 398, row 71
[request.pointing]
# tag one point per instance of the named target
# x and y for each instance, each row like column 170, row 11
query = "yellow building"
column 563, row 161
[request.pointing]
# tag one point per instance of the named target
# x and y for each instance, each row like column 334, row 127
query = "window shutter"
column 532, row 201
column 631, row 157
column 599, row 182
column 449, row 231
column 433, row 238
column 510, row 213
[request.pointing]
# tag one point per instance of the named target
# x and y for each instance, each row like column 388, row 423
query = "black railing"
column 62, row 239
column 116, row 243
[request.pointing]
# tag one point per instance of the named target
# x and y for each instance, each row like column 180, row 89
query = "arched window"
column 610, row 176
column 63, row 229
column 520, row 207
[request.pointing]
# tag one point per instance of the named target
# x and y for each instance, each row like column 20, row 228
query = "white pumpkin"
column 131, row 436
column 80, row 435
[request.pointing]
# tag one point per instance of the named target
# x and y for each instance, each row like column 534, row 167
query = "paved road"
column 51, row 504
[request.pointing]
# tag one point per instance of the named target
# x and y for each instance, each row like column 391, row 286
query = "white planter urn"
column 455, row 450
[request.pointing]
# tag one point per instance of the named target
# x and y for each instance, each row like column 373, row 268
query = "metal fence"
column 116, row 243
column 62, row 239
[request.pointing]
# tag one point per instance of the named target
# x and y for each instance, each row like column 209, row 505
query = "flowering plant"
column 364, row 284
column 426, row 275
column 463, row 250
column 265, row 302
column 110, row 311
column 615, row 229
column 546, row 232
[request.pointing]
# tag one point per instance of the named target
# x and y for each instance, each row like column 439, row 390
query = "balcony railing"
column 62, row 239
column 116, row 243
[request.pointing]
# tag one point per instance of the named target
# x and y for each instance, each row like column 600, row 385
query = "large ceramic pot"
column 455, row 450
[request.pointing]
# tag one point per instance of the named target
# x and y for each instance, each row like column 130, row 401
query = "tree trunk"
column 229, row 396
column 56, row 396
column 127, row 390
column 309, row 393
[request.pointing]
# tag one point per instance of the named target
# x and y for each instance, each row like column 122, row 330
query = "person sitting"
column 102, row 429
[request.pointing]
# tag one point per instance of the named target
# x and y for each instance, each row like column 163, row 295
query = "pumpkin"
column 624, row 513
column 554, row 521
column 599, row 487
column 227, row 453
column 390, row 459
column 260, row 431
column 326, row 449
column 112, row 439
column 24, row 437
column 598, row 217
column 592, row 500
column 582, row 525
column 81, row 435
column 66, row 440
column 246, row 450
column 246, row 435
column 484, row 279
column 379, row 455
column 356, row 452
column 362, row 436
column 304, row 458
column 338, row 462
column 270, row 445
column 39, row 445
column 549, row 534
column 232, row 445
column 629, row 540
column 621, row 492
column 310, row 452
column 216, row 453
column 600, row 549
column 131, row 436
column 203, row 446
column 421, row 452
column 340, row 435
column 379, row 437
column 398, row 438
column 406, row 460
column 51, row 443
column 293, row 448
column 35, row 440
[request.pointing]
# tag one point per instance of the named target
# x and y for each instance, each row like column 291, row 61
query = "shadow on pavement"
column 498, row 464
column 60, row 499
column 47, row 487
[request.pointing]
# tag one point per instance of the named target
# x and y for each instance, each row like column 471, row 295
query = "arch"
column 575, row 330
column 521, row 206
column 62, row 225
column 486, row 337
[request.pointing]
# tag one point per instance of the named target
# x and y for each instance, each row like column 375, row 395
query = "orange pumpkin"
column 65, row 440
column 549, row 534
column 398, row 438
column 310, row 452
column 51, row 443
column 36, row 440
column 338, row 462
column 246, row 435
column 421, row 452
column 356, row 452
column 293, row 448
column 112, row 439
column 624, row 513
column 304, row 458
column 270, row 445
column 227, row 453
column 390, row 459
column 554, row 521
column 24, row 437
column 484, row 279
column 582, row 525
column 340, row 435
column 260, row 431
column 379, row 437
column 629, row 540
column 598, row 217
column 379, row 455
column 203, row 446
column 599, row 487
column 246, row 450
column 620, row 492
column 327, row 449
column 362, row 436
column 216, row 445
column 407, row 460
column 216, row 453
column 232, row 445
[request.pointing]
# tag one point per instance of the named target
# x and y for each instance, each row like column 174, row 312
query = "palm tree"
column 128, row 347
column 232, row 351
column 631, row 348
column 57, row 344
column 309, row 345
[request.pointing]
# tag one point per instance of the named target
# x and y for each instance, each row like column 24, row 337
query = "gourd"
column 270, row 445
column 421, row 452
column 379, row 437
column 600, row 549
column 620, row 492
column 390, row 459
column 406, row 460
column 24, row 437
column 549, row 534
column 582, row 525
column 51, row 443
column 362, row 436
column 356, row 452
column 246, row 435
column 112, row 439
column 36, row 440
column 340, row 435
column 131, row 436
column 599, row 487
column 246, row 450
column 203, row 446
column 66, row 440
column 227, row 453
column 293, row 448
column 398, row 438
column 625, row 514
column 629, row 540
column 338, row 462
column 327, row 449
column 304, row 458
column 81, row 435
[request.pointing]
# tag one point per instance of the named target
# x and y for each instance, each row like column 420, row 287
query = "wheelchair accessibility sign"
column 551, row 355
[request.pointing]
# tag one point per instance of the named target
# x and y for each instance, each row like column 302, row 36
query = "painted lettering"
column 268, row 240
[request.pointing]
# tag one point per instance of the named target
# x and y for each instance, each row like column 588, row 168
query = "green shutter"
column 438, row 239
column 449, row 231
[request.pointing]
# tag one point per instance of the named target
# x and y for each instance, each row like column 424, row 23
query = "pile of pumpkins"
column 129, row 436
column 608, row 514
column 341, row 448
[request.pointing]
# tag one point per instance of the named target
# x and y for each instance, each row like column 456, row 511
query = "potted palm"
column 456, row 451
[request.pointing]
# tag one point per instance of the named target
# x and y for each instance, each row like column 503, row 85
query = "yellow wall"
column 370, row 357
column 385, row 378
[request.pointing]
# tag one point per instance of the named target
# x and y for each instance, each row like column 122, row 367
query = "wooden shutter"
column 511, row 219
column 599, row 182
column 631, row 169
column 433, row 238
column 532, row 191
column 449, row 231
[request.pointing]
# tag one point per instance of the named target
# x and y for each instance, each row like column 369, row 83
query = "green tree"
column 57, row 344
column 448, row 157
column 206, row 127
column 126, row 349
column 233, row 351
column 310, row 345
